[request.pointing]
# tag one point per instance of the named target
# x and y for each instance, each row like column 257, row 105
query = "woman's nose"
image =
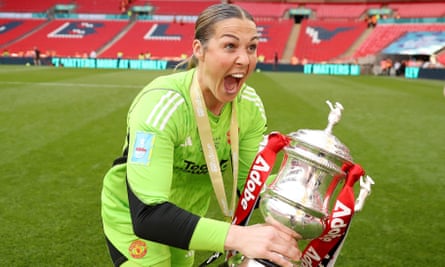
column 243, row 58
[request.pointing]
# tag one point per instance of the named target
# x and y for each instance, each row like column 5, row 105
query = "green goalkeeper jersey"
column 164, row 163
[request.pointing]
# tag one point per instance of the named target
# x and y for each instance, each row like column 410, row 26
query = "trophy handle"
column 365, row 190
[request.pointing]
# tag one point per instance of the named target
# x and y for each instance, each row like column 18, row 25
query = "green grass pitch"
column 60, row 129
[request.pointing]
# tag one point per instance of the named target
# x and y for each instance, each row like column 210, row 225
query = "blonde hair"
column 205, row 25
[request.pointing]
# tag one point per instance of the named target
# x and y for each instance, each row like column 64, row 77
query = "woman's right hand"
column 271, row 241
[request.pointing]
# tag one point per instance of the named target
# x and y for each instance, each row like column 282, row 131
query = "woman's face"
column 226, row 60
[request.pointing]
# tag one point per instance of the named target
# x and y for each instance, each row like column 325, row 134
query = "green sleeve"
column 150, row 175
column 209, row 235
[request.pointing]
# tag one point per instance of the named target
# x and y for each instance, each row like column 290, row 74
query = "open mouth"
column 232, row 83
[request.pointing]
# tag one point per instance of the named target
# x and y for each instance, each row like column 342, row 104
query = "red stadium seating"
column 325, row 40
column 188, row 7
column 70, row 37
column 82, row 6
column 169, row 40
column 98, row 6
column 274, row 36
column 418, row 10
column 172, row 40
column 14, row 29
column 262, row 10
column 441, row 58
column 340, row 11
column 30, row 6
column 384, row 34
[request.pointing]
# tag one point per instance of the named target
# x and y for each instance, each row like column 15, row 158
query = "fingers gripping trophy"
column 312, row 193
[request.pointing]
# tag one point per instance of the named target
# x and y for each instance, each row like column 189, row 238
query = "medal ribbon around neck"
column 208, row 147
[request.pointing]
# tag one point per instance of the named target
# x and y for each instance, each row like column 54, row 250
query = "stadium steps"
column 291, row 43
column 26, row 35
column 117, row 37
column 350, row 52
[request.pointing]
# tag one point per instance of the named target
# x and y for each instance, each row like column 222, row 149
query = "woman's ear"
column 198, row 49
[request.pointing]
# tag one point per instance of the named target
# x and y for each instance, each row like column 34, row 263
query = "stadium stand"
column 160, row 40
column 267, row 10
column 16, row 29
column 418, row 10
column 70, row 37
column 273, row 38
column 384, row 34
column 332, row 31
column 173, row 40
column 321, row 40
column 81, row 6
column 97, row 7
column 187, row 7
column 340, row 11
column 30, row 6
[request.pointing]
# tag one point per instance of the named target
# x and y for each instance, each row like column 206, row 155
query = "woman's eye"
column 230, row 46
column 253, row 48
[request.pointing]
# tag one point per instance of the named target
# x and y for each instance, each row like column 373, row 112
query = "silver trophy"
column 299, row 197
column 311, row 170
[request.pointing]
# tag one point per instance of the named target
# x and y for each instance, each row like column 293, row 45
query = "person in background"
column 37, row 61
column 275, row 61
column 184, row 130
column 5, row 53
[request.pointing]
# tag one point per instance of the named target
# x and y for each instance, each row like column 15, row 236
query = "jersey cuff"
column 209, row 235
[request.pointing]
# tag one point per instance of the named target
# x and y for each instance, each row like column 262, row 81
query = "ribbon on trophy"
column 323, row 251
column 257, row 177
column 258, row 174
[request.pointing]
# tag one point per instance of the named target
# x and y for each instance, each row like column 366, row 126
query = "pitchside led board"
column 317, row 69
column 332, row 69
column 109, row 63
column 148, row 64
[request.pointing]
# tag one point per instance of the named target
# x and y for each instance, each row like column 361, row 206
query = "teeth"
column 238, row 75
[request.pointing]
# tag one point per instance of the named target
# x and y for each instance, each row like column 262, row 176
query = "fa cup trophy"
column 303, row 196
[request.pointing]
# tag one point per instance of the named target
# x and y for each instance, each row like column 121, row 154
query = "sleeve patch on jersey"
column 142, row 148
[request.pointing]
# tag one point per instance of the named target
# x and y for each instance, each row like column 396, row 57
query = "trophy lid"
column 324, row 140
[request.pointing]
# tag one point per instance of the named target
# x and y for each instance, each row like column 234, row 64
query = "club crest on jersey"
column 142, row 147
column 75, row 30
column 137, row 249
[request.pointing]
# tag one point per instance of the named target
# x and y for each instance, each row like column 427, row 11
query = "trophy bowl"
column 299, row 196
